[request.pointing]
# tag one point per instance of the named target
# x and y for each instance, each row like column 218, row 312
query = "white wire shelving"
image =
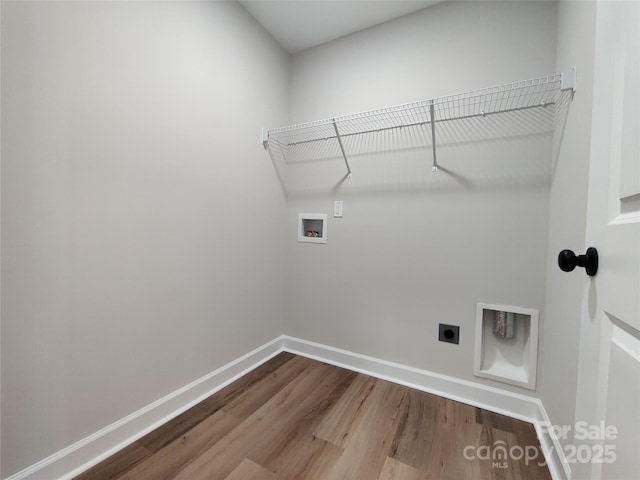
column 539, row 92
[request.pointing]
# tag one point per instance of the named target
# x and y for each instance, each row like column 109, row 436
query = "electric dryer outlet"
column 449, row 333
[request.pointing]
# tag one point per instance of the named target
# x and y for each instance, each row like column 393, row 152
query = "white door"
column 609, row 365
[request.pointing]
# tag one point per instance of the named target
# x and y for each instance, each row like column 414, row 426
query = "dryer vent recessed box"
column 502, row 355
column 312, row 227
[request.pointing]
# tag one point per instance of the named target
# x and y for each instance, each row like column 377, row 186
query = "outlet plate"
column 337, row 209
column 449, row 333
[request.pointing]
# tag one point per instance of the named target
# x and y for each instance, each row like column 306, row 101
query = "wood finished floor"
column 296, row 418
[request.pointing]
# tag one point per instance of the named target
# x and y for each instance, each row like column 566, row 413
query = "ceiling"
column 300, row 24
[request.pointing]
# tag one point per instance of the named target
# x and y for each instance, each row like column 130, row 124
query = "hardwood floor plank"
column 176, row 455
column 499, row 422
column 164, row 435
column 222, row 458
column 447, row 460
column 458, row 414
column 263, row 390
column 455, row 429
column 116, row 465
column 523, row 435
column 395, row 470
column 499, row 466
column 280, row 451
column 338, row 426
column 414, row 438
column 310, row 460
column 248, row 470
column 365, row 454
column 511, row 458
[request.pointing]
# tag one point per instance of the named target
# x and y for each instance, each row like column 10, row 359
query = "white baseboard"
column 82, row 455
column 91, row 450
column 553, row 451
column 522, row 407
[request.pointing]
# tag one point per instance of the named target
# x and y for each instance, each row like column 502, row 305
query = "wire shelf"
column 539, row 92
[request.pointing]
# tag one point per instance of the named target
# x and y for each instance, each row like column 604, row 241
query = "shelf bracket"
column 568, row 80
column 434, row 167
column 265, row 138
column 344, row 155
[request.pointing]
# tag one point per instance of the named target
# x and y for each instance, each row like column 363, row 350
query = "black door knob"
column 567, row 261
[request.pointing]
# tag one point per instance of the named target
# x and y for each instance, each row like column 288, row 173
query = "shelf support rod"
column 434, row 167
column 344, row 155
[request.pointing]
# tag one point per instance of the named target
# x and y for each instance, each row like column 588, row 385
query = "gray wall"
column 141, row 221
column 146, row 239
column 415, row 249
